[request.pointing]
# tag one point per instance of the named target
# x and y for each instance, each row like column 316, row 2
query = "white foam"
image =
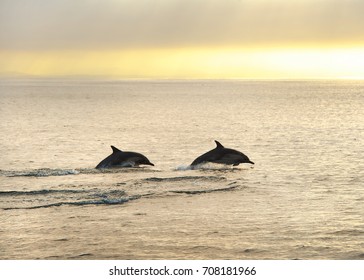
column 204, row 166
column 183, row 168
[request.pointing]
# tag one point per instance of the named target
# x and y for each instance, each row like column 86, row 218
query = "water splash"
column 183, row 168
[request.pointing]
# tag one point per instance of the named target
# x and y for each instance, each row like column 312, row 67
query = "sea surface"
column 303, row 198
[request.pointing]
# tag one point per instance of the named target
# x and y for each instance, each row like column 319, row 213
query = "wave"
column 349, row 232
column 46, row 172
column 38, row 192
column 203, row 166
column 211, row 167
column 183, row 167
column 111, row 192
column 358, row 256
column 79, row 203
column 45, row 198
column 183, row 178
column 205, row 191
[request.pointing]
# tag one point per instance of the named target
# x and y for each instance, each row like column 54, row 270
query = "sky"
column 237, row 39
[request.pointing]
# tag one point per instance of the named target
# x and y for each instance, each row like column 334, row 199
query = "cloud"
column 126, row 24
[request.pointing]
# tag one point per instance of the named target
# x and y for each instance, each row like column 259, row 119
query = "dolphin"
column 123, row 159
column 222, row 155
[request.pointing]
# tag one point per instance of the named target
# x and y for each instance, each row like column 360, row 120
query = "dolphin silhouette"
column 222, row 155
column 123, row 159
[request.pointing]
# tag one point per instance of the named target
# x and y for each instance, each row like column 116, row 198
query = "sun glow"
column 275, row 63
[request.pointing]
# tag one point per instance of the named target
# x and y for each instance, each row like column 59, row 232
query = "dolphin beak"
column 151, row 164
column 251, row 162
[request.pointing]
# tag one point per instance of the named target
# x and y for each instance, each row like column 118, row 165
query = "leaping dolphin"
column 123, row 159
column 222, row 155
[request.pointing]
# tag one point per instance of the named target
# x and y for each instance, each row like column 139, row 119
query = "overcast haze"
column 66, row 24
column 41, row 31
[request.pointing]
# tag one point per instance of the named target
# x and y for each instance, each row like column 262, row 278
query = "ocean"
column 303, row 198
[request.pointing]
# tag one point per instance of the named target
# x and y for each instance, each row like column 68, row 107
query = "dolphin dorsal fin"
column 218, row 144
column 115, row 150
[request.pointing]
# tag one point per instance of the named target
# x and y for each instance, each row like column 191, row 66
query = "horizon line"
column 5, row 76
